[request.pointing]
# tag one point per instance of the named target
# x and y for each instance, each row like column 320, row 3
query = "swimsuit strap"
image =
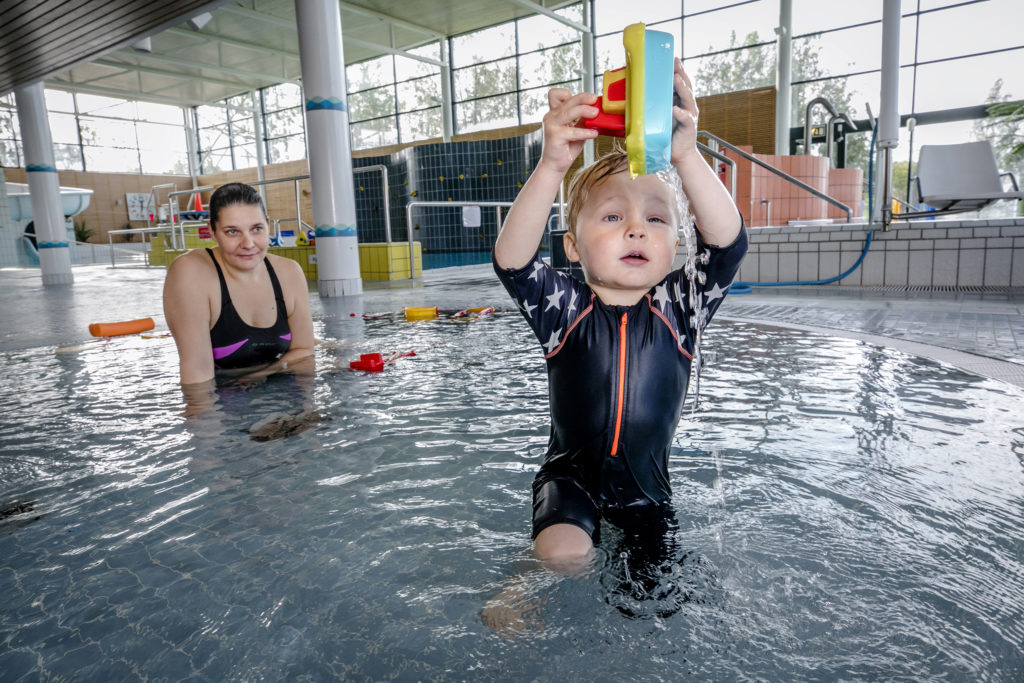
column 278, row 293
column 225, row 295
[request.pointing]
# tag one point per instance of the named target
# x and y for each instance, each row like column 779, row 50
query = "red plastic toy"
column 375, row 362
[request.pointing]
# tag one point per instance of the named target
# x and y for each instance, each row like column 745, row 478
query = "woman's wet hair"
column 230, row 195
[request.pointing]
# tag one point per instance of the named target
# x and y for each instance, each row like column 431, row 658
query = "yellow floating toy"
column 420, row 312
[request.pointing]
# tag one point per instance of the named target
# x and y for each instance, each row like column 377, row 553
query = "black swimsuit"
column 237, row 344
column 617, row 377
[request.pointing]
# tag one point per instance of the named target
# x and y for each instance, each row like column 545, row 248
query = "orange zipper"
column 622, row 384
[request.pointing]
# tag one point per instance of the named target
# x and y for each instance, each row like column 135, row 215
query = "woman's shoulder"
column 194, row 263
column 286, row 267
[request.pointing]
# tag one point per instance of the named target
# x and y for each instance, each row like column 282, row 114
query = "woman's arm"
column 187, row 311
column 300, row 320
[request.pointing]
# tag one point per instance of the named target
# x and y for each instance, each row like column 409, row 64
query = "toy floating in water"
column 636, row 100
column 375, row 362
column 119, row 328
column 420, row 312
column 470, row 313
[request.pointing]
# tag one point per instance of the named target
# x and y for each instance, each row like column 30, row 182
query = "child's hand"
column 563, row 141
column 684, row 111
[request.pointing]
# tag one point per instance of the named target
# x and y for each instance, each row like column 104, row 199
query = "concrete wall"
column 939, row 253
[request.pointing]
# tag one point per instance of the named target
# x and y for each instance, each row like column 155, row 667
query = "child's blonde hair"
column 584, row 180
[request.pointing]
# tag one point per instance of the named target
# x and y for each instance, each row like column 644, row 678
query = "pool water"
column 842, row 511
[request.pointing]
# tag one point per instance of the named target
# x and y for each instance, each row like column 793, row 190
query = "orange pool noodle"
column 124, row 327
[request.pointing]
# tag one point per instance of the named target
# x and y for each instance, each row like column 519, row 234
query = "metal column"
column 889, row 116
column 43, row 186
column 784, row 77
column 330, row 155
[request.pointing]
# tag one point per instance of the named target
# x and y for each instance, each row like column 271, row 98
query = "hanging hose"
column 740, row 287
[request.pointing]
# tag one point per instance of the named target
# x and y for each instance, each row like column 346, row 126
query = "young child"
column 619, row 347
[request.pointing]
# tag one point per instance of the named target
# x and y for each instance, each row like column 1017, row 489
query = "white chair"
column 961, row 177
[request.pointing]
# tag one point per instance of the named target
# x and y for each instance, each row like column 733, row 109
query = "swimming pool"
column 844, row 511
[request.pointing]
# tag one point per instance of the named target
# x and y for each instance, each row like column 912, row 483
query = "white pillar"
column 447, row 116
column 783, row 76
column 330, row 154
column 43, row 186
column 587, row 50
column 889, row 114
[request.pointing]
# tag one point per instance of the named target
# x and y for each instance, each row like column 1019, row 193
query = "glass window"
column 216, row 160
column 615, row 15
column 419, row 94
column 420, row 125
column 738, row 25
column 974, row 27
column 214, row 137
column 483, row 46
column 282, row 96
column 376, row 133
column 112, row 160
column 106, row 106
column 107, row 133
column 491, row 112
column 284, row 122
column 539, row 31
column 67, row 157
column 406, row 68
column 813, row 15
column 369, row 74
column 160, row 136
column 63, row 128
column 164, row 160
column 609, row 53
column 486, row 79
column 554, row 65
column 10, row 153
column 210, row 116
column 291, row 148
column 8, row 126
column 58, row 100
column 245, row 155
column 743, row 69
column 371, row 104
column 533, row 104
column 160, row 113
column 966, row 82
column 840, row 52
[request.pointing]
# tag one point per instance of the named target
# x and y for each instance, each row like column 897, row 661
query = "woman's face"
column 242, row 235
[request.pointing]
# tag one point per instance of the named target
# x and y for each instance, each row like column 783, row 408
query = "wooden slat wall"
column 746, row 117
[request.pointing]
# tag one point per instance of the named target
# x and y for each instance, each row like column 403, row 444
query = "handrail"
column 408, row 221
column 385, row 187
column 714, row 153
column 782, row 174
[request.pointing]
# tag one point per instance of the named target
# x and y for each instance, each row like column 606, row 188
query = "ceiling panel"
column 246, row 44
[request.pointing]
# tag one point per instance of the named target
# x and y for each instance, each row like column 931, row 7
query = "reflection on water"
column 840, row 511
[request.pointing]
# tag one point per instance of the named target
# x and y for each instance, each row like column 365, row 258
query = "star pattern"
column 553, row 342
column 537, row 266
column 528, row 308
column 554, row 299
column 715, row 293
column 661, row 296
column 572, row 300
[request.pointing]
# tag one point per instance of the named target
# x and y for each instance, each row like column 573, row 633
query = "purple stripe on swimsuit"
column 222, row 351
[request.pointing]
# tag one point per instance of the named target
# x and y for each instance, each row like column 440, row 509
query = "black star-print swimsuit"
column 617, row 377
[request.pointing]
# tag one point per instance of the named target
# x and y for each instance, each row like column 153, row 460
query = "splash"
column 695, row 277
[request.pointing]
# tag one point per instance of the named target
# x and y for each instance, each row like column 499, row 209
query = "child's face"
column 626, row 237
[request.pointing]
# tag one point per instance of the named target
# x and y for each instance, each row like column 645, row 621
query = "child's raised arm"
column 563, row 141
column 714, row 212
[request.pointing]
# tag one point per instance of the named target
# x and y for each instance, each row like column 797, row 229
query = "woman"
column 236, row 308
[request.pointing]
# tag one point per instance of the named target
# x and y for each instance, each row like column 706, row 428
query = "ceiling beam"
column 162, row 72
column 272, row 79
column 394, row 21
column 394, row 51
column 60, row 84
column 541, row 9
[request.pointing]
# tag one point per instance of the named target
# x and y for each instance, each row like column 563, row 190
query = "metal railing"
column 782, row 174
column 156, row 229
column 177, row 226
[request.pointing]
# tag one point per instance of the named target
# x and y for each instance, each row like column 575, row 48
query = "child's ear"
column 569, row 244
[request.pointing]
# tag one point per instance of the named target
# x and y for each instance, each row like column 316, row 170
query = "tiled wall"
column 946, row 253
